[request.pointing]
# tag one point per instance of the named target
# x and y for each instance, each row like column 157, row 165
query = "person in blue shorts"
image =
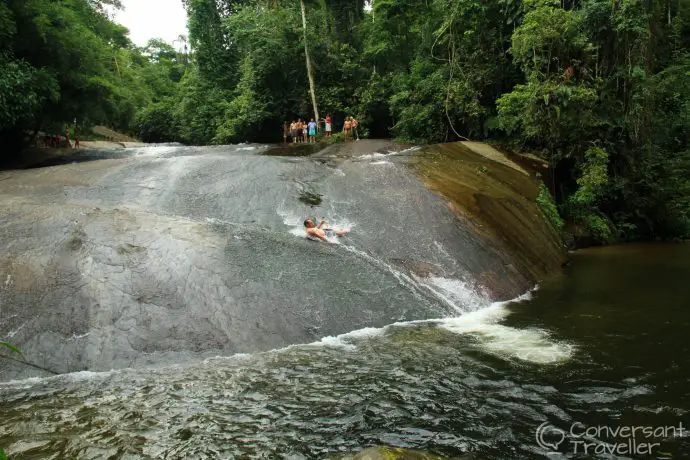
column 312, row 131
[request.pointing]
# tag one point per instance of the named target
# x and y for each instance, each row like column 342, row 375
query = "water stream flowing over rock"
column 175, row 292
column 172, row 253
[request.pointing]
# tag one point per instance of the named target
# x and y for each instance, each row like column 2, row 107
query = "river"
column 445, row 369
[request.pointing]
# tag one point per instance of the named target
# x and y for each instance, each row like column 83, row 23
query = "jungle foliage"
column 600, row 89
column 64, row 60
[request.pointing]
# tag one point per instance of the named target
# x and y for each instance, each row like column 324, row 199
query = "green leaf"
column 12, row 348
column 2, row 454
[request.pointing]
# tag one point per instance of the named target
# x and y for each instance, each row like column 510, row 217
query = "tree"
column 157, row 123
column 184, row 51
column 312, row 89
column 599, row 89
column 59, row 63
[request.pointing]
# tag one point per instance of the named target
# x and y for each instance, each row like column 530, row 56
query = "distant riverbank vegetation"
column 599, row 89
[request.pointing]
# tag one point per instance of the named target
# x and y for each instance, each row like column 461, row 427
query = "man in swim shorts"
column 293, row 132
column 354, row 124
column 318, row 232
column 312, row 131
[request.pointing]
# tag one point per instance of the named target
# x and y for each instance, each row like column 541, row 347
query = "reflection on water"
column 604, row 344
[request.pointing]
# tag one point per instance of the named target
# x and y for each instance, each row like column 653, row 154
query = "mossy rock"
column 312, row 199
column 499, row 200
column 76, row 242
column 294, row 150
column 392, row 453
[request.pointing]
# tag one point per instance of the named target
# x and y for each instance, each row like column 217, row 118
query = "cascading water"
column 187, row 271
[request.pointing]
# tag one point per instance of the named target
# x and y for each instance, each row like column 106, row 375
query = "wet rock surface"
column 393, row 453
column 498, row 200
column 172, row 253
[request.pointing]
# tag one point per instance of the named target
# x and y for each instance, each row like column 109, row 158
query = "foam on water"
column 160, row 151
column 482, row 319
column 459, row 294
column 349, row 339
column 71, row 377
column 371, row 156
column 409, row 150
column 531, row 345
column 290, row 218
column 382, row 162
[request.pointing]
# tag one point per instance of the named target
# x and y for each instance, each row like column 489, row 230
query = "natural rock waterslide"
column 164, row 254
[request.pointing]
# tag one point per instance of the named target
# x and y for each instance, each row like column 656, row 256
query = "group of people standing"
column 350, row 128
column 55, row 140
column 300, row 132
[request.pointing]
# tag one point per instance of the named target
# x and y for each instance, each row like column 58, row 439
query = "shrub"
column 548, row 207
column 157, row 123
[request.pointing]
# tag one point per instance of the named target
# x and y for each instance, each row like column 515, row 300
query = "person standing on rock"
column 286, row 131
column 312, row 131
column 347, row 128
column 354, row 123
column 69, row 145
column 329, row 125
column 293, row 131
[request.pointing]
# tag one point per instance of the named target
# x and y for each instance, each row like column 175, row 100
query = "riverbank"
column 35, row 157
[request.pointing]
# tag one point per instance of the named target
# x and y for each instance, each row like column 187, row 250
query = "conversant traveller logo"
column 604, row 439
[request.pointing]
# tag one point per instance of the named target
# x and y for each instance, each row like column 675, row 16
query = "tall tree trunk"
column 312, row 87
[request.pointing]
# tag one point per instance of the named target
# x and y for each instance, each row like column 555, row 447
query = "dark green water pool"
column 627, row 309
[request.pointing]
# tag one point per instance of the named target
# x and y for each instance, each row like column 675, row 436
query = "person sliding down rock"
column 319, row 232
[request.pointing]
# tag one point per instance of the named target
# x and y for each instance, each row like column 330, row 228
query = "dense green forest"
column 600, row 89
column 65, row 59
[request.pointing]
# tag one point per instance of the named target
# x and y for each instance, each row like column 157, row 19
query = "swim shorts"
column 328, row 127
